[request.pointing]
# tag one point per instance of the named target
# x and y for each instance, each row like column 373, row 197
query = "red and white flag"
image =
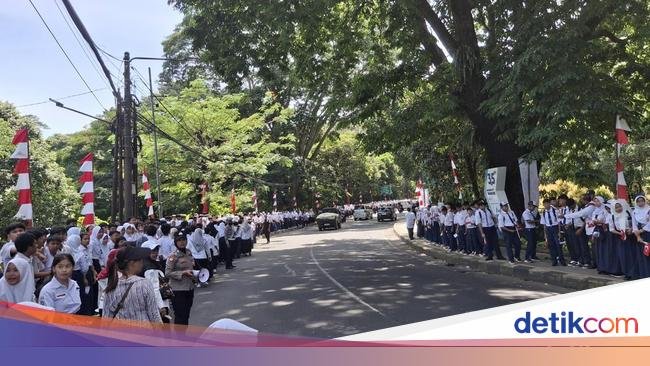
column 454, row 172
column 147, row 194
column 23, row 185
column 233, row 202
column 621, row 139
column 87, row 190
column 205, row 204
column 317, row 201
column 255, row 200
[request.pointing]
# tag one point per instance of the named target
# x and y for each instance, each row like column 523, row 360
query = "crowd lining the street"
column 137, row 271
column 596, row 234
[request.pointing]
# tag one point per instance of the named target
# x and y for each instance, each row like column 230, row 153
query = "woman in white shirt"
column 612, row 251
column 62, row 292
column 641, row 227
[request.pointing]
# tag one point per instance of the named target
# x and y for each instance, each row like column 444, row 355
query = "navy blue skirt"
column 643, row 261
column 608, row 253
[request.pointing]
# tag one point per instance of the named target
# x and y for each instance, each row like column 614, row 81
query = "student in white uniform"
column 8, row 250
column 17, row 284
column 62, row 292
column 552, row 233
column 410, row 222
column 508, row 225
column 530, row 218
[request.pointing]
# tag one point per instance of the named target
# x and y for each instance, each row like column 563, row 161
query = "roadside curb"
column 526, row 272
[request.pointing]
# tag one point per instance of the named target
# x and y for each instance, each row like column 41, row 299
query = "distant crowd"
column 140, row 270
column 609, row 236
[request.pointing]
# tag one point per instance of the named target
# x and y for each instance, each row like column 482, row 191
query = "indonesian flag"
column 255, row 200
column 621, row 139
column 317, row 200
column 87, row 190
column 233, row 202
column 147, row 194
column 21, row 169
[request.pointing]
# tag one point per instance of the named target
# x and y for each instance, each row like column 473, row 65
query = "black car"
column 386, row 213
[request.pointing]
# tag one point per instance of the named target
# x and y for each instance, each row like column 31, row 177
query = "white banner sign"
column 529, row 181
column 495, row 182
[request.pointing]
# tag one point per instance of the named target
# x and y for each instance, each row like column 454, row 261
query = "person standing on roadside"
column 410, row 222
column 530, row 218
column 179, row 270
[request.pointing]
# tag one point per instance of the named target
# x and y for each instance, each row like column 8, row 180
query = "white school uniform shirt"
column 459, row 218
column 166, row 246
column 506, row 219
column 64, row 299
column 640, row 216
column 470, row 221
column 246, row 233
column 449, row 219
column 5, row 252
column 528, row 216
column 483, row 218
column 410, row 220
column 577, row 222
column 49, row 259
column 82, row 259
column 549, row 217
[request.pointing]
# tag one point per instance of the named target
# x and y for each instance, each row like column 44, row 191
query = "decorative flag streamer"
column 23, row 185
column 233, row 202
column 87, row 190
column 454, row 172
column 317, row 201
column 347, row 194
column 147, row 194
column 621, row 139
column 295, row 203
column 255, row 200
column 275, row 201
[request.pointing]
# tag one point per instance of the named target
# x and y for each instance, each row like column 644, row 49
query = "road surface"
column 336, row 283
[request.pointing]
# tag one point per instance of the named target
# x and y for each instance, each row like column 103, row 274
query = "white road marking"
column 343, row 288
column 289, row 270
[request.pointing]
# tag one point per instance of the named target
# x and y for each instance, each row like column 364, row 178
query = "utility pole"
column 155, row 146
column 127, row 140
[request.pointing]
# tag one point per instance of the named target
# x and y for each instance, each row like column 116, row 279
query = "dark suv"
column 386, row 213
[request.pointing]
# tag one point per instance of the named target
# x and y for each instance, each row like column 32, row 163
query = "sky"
column 33, row 68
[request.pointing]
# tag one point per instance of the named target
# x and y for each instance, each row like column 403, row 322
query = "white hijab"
column 620, row 219
column 74, row 231
column 24, row 289
column 74, row 242
column 130, row 237
column 641, row 213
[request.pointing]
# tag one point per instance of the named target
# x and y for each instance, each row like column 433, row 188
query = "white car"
column 362, row 214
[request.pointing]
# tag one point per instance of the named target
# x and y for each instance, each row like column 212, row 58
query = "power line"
column 66, row 55
column 192, row 134
column 60, row 98
column 83, row 49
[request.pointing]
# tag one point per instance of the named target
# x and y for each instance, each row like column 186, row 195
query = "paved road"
column 336, row 283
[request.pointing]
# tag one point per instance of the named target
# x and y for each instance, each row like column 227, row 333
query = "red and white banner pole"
column 454, row 172
column 147, row 194
column 87, row 190
column 23, row 184
column 621, row 140
column 275, row 201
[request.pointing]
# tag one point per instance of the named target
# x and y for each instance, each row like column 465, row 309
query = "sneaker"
column 528, row 261
column 517, row 260
column 511, row 262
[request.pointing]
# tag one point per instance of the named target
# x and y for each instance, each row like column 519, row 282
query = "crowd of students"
column 139, row 271
column 609, row 236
